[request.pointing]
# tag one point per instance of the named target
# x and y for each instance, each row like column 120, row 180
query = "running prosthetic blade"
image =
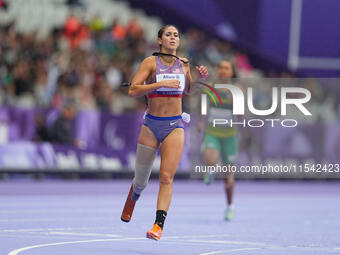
column 128, row 207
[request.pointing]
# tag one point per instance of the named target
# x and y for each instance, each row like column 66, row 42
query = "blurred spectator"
column 75, row 3
column 133, row 28
column 63, row 128
column 118, row 31
column 242, row 63
column 104, row 95
column 42, row 132
column 23, row 82
column 3, row 5
column 97, row 24
column 75, row 31
column 114, row 76
column 72, row 26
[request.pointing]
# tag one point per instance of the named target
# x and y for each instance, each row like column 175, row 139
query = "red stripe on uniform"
column 163, row 95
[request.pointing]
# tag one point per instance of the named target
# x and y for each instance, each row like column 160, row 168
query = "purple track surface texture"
column 83, row 218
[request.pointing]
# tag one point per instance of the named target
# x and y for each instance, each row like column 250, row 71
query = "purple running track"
column 83, row 217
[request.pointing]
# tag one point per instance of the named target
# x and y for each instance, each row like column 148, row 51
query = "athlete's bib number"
column 179, row 77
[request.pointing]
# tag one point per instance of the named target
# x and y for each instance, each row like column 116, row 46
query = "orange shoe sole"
column 155, row 233
column 152, row 236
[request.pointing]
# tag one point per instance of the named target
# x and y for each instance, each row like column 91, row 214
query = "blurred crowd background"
column 88, row 61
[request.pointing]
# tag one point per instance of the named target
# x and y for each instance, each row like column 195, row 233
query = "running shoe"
column 208, row 178
column 229, row 213
column 155, row 233
column 128, row 207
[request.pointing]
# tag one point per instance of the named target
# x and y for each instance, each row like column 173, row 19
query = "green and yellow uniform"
column 222, row 138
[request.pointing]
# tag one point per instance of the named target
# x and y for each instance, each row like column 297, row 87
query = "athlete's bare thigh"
column 147, row 138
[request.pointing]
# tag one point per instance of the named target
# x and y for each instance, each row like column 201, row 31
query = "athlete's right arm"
column 138, row 88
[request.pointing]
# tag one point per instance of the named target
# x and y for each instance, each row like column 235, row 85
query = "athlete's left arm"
column 202, row 72
column 188, row 79
column 186, row 69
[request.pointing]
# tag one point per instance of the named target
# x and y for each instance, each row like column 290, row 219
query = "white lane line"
column 264, row 246
column 37, row 236
column 49, row 229
column 17, row 251
column 54, row 219
column 227, row 242
column 195, row 236
column 58, row 211
column 79, row 234
column 53, row 206
column 58, row 231
column 229, row 251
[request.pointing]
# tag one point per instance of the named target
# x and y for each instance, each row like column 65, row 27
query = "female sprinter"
column 163, row 78
column 221, row 141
